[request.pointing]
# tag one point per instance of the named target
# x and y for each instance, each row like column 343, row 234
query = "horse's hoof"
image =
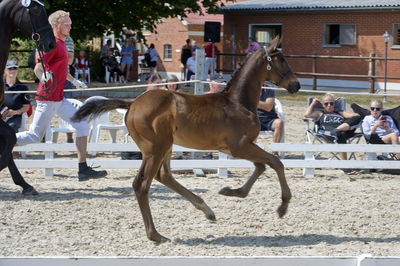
column 160, row 239
column 211, row 217
column 227, row 191
column 30, row 192
column 281, row 211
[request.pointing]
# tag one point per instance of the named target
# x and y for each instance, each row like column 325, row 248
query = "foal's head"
column 278, row 70
column 31, row 19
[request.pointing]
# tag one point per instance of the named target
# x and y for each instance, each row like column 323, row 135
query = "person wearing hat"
column 15, row 104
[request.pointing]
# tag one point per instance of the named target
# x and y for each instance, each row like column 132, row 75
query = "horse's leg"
column 7, row 143
column 27, row 190
column 8, row 140
column 165, row 177
column 260, row 157
column 141, row 185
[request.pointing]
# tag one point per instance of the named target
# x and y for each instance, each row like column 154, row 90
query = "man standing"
column 209, row 63
column 185, row 54
column 50, row 100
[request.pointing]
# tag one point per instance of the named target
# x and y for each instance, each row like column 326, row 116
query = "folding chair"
column 315, row 134
column 393, row 112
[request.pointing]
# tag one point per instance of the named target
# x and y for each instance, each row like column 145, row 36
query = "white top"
column 369, row 121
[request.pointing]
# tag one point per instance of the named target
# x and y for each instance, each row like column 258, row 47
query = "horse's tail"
column 93, row 109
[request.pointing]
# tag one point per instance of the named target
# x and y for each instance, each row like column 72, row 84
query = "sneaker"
column 208, row 157
column 89, row 173
column 349, row 171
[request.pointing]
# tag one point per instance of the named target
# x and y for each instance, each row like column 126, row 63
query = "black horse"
column 29, row 16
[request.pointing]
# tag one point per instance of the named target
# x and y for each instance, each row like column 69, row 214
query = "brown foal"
column 158, row 119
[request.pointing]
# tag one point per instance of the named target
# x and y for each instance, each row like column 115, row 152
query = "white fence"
column 201, row 261
column 49, row 163
column 309, row 163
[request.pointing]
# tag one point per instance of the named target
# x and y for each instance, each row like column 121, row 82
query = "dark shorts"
column 153, row 64
column 267, row 124
column 374, row 139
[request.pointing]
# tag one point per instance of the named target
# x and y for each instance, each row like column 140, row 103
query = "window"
column 396, row 34
column 167, row 52
column 264, row 34
column 340, row 34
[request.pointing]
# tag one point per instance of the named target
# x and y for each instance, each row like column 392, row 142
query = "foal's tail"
column 93, row 109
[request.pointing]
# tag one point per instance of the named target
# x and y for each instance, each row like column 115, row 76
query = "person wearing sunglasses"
column 15, row 103
column 337, row 125
column 378, row 128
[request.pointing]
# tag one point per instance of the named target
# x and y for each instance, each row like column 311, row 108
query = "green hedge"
column 22, row 57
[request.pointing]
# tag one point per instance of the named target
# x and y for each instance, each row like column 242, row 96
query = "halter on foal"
column 158, row 118
column 30, row 17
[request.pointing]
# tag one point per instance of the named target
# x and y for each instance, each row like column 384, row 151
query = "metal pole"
column 386, row 40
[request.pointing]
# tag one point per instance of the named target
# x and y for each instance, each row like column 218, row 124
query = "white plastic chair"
column 63, row 126
column 87, row 75
column 102, row 122
column 22, row 128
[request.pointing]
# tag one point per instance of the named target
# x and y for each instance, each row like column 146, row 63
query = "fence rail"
column 370, row 76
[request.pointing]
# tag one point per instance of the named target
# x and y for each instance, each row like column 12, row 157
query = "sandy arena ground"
column 331, row 214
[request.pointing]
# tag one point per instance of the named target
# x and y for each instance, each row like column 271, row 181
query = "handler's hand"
column 46, row 76
column 79, row 84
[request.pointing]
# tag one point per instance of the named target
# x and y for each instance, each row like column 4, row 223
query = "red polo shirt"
column 57, row 62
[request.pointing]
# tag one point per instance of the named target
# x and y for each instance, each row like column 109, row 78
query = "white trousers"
column 209, row 65
column 44, row 112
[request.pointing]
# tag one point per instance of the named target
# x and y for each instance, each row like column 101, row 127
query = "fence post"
column 199, row 75
column 372, row 72
column 314, row 70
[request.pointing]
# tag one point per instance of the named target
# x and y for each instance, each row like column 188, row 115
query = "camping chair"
column 314, row 134
column 394, row 113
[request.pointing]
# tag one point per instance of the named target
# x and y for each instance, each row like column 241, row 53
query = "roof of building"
column 310, row 5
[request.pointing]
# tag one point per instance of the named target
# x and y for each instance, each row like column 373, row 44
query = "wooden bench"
column 309, row 163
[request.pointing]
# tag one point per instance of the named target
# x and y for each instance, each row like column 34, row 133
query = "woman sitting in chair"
column 378, row 128
column 338, row 124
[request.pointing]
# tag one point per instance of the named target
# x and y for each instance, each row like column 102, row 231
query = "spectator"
column 269, row 119
column 126, row 58
column 82, row 65
column 253, row 46
column 69, row 43
column 378, row 128
column 337, row 123
column 153, row 58
column 185, row 54
column 110, row 63
column 191, row 66
column 210, row 53
column 16, row 103
column 194, row 45
column 51, row 102
column 103, row 55
column 154, row 79
column 173, row 87
column 106, row 47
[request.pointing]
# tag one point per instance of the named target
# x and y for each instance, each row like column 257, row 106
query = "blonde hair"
column 55, row 17
column 378, row 102
column 329, row 95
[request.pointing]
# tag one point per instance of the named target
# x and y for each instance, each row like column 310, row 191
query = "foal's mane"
column 235, row 74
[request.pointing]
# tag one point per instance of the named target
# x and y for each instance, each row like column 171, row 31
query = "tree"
column 93, row 17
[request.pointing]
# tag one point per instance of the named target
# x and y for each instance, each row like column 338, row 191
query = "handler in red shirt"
column 50, row 100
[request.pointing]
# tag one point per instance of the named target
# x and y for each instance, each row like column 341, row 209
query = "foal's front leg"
column 260, row 157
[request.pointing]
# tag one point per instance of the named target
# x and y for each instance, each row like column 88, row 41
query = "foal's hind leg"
column 141, row 185
column 165, row 177
column 260, row 157
column 7, row 143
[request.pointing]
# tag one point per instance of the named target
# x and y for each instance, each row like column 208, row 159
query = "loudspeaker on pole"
column 212, row 31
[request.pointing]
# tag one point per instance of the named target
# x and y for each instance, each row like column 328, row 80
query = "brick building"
column 171, row 36
column 321, row 27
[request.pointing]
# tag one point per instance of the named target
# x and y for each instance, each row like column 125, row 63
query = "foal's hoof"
column 159, row 239
column 227, row 191
column 211, row 217
column 30, row 192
